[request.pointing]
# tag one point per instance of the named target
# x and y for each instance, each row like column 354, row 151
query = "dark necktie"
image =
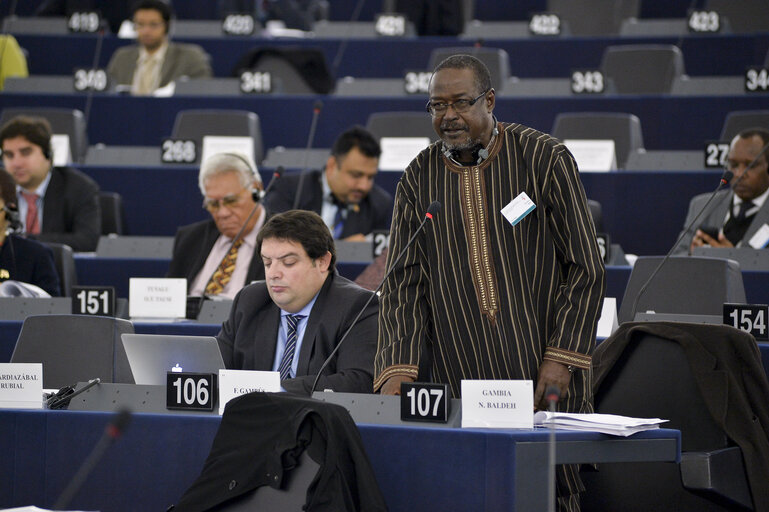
column 340, row 217
column 288, row 355
column 736, row 227
column 744, row 207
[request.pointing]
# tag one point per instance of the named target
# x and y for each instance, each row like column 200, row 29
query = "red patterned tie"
column 33, row 222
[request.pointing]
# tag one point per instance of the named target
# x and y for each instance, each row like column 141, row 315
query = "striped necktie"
column 223, row 274
column 288, row 355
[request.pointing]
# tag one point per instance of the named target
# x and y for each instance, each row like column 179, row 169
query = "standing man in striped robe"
column 476, row 296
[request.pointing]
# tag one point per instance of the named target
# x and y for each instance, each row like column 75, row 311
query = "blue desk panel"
column 642, row 211
column 285, row 119
column 159, row 456
column 704, row 55
column 116, row 272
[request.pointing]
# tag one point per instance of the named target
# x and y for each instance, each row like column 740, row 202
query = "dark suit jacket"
column 249, row 336
column 726, row 365
column 30, row 262
column 71, row 213
column 375, row 211
column 714, row 217
column 191, row 247
column 181, row 60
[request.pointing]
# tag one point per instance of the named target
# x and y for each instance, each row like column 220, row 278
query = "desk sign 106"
column 750, row 318
column 191, row 391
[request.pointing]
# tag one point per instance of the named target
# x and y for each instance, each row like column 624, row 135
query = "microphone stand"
column 316, row 108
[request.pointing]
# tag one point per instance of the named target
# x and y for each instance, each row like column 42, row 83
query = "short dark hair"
column 301, row 226
column 462, row 61
column 356, row 137
column 7, row 188
column 749, row 133
column 157, row 5
column 36, row 130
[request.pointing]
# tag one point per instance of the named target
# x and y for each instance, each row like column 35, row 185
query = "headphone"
column 256, row 194
column 12, row 217
column 480, row 154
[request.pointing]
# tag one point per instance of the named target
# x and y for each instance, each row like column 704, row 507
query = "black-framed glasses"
column 229, row 201
column 438, row 108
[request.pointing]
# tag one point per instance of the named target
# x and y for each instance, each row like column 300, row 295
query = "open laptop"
column 152, row 356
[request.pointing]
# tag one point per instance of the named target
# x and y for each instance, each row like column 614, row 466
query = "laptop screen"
column 152, row 356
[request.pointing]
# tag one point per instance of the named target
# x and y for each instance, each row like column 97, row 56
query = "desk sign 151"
column 424, row 402
column 750, row 318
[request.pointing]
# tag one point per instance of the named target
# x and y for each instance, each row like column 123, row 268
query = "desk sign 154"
column 749, row 318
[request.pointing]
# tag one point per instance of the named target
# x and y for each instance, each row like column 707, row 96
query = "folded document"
column 604, row 423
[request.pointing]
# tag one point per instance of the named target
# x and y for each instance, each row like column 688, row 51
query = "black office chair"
column 742, row 15
column 293, row 69
column 684, row 285
column 596, row 213
column 740, row 120
column 400, row 124
column 594, row 17
column 67, row 121
column 656, row 377
column 74, row 348
column 496, row 60
column 64, row 260
column 642, row 68
column 195, row 124
column 623, row 129
column 111, row 204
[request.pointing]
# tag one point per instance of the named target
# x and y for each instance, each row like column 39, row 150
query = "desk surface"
column 160, row 455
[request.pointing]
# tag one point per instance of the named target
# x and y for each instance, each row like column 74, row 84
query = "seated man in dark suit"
column 293, row 320
column 56, row 204
column 737, row 213
column 345, row 195
column 22, row 260
column 230, row 185
column 155, row 61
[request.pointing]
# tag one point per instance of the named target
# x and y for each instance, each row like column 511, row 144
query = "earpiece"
column 255, row 193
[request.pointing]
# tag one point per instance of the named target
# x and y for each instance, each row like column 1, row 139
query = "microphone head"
column 317, row 106
column 552, row 394
column 727, row 177
column 434, row 208
column 119, row 423
column 278, row 172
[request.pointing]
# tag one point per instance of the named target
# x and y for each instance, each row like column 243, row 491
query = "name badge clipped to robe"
column 518, row 208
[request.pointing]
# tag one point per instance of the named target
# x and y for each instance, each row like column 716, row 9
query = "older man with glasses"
column 507, row 281
column 216, row 256
column 734, row 215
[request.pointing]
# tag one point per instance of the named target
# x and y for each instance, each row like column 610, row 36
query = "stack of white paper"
column 604, row 423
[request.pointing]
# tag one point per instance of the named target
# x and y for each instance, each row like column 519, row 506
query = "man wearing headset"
column 210, row 254
column 21, row 259
column 56, row 204
column 155, row 61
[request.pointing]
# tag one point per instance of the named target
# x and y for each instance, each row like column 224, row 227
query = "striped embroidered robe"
column 478, row 297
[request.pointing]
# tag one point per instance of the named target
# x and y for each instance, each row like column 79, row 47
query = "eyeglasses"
column 751, row 167
column 438, row 108
column 213, row 205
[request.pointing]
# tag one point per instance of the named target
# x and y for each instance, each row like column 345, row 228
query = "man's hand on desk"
column 392, row 386
column 701, row 238
column 550, row 374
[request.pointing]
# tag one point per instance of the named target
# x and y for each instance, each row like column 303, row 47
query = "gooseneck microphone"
column 316, row 108
column 725, row 179
column 114, row 430
column 552, row 394
column 275, row 176
column 434, row 207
